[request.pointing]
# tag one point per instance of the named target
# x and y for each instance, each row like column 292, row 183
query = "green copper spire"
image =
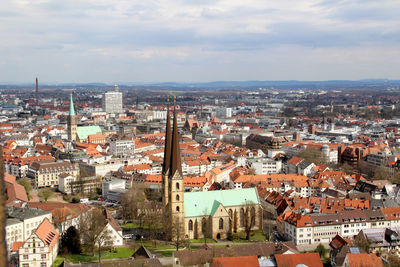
column 71, row 107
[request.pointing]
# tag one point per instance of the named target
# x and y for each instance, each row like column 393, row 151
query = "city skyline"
column 202, row 41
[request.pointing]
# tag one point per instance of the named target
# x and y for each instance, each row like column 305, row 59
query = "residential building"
column 69, row 184
column 47, row 174
column 41, row 247
column 124, row 147
column 265, row 165
column 30, row 217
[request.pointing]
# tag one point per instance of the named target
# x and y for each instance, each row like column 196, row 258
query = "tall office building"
column 112, row 101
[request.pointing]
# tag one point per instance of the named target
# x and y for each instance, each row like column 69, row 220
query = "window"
column 177, row 208
column 253, row 215
column 177, row 186
column 190, row 225
column 221, row 223
column 42, row 264
column 204, row 226
column 241, row 217
column 177, row 197
column 43, row 256
column 25, row 265
column 26, row 257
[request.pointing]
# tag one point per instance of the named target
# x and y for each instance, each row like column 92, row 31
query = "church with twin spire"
column 211, row 214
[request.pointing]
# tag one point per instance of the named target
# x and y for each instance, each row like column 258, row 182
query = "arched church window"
column 221, row 223
column 190, row 225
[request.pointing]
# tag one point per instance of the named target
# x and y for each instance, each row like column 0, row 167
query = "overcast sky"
column 198, row 40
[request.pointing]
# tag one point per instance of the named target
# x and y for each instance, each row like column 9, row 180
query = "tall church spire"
column 176, row 164
column 72, row 127
column 168, row 143
column 71, row 106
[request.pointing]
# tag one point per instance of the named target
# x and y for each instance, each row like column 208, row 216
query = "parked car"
column 128, row 236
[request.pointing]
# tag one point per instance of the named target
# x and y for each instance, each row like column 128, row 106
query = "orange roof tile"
column 292, row 260
column 364, row 260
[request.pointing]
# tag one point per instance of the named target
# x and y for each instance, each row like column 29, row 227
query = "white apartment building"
column 69, row 184
column 122, row 147
column 112, row 101
column 223, row 112
column 322, row 228
column 14, row 232
column 30, row 219
column 265, row 165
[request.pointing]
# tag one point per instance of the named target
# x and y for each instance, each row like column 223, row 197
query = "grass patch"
column 118, row 253
column 57, row 262
column 138, row 226
column 256, row 236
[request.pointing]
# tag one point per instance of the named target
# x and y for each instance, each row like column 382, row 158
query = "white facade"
column 14, row 232
column 122, row 147
column 112, row 101
column 223, row 112
column 265, row 165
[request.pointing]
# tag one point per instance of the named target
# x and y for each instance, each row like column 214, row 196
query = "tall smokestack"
column 37, row 92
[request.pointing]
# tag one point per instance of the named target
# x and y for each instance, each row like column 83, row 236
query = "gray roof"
column 25, row 213
column 11, row 221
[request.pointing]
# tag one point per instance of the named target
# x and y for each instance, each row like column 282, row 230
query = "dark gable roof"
column 206, row 254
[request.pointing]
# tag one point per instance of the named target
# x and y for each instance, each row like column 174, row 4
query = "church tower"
column 72, row 128
column 172, row 175
column 167, row 159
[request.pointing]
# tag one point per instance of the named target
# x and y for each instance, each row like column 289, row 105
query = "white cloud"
column 109, row 40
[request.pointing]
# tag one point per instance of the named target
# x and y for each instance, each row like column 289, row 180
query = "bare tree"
column 249, row 219
column 235, row 221
column 177, row 231
column 131, row 202
column 92, row 230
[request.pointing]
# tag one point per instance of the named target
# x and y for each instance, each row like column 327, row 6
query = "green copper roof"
column 84, row 131
column 71, row 107
column 205, row 203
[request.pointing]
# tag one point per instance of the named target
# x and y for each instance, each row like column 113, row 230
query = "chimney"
column 37, row 91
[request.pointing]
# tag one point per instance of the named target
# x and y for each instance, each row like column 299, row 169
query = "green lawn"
column 137, row 226
column 120, row 253
column 256, row 236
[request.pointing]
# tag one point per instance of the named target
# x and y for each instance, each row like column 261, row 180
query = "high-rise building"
column 112, row 101
column 72, row 127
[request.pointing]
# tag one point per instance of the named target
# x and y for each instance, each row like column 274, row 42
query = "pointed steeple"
column 168, row 143
column 176, row 164
column 71, row 106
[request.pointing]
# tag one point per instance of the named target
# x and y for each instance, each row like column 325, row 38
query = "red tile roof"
column 47, row 233
column 364, row 260
column 292, row 260
column 243, row 261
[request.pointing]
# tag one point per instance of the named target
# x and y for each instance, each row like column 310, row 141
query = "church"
column 211, row 214
column 79, row 133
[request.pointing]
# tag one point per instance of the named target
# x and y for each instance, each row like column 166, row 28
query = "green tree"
column 26, row 183
column 313, row 154
column 321, row 250
column 71, row 241
column 45, row 194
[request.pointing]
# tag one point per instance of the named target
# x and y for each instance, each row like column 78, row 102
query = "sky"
column 198, row 40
